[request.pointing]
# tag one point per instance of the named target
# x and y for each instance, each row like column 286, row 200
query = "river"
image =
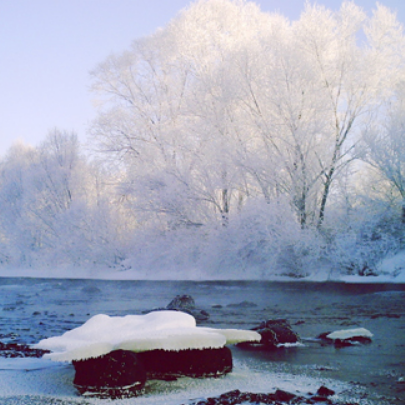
column 32, row 309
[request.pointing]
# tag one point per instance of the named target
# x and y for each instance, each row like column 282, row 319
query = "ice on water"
column 168, row 330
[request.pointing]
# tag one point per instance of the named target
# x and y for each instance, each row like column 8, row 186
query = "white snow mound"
column 167, row 330
column 350, row 333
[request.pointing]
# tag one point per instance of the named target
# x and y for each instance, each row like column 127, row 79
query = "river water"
column 32, row 309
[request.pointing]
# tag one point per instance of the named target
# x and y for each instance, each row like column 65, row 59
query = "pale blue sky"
column 48, row 47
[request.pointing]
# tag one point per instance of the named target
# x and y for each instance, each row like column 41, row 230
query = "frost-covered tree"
column 227, row 107
column 54, row 209
column 308, row 91
column 169, row 120
column 18, row 238
column 384, row 150
column 228, row 102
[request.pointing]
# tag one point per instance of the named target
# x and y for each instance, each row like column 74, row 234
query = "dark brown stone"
column 163, row 364
column 325, row 391
column 273, row 333
column 236, row 397
column 182, row 302
column 118, row 374
column 284, row 396
column 186, row 303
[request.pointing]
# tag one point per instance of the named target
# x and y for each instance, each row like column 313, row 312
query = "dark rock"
column 243, row 304
column 118, row 374
column 274, row 333
column 182, row 302
column 323, row 335
column 325, row 391
column 237, row 397
column 13, row 350
column 284, row 396
column 164, row 364
column 299, row 322
column 200, row 315
column 230, row 394
column 186, row 303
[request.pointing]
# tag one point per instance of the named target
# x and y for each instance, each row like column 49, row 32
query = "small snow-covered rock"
column 347, row 337
column 350, row 334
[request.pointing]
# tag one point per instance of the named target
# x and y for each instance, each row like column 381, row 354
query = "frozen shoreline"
column 52, row 382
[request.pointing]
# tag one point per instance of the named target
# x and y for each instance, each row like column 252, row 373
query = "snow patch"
column 167, row 330
column 350, row 333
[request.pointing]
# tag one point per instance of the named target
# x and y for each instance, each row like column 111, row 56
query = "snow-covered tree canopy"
column 228, row 102
column 227, row 141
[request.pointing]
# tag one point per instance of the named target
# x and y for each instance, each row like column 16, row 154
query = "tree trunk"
column 325, row 195
column 224, row 206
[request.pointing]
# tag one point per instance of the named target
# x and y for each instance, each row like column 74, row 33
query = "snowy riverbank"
column 390, row 270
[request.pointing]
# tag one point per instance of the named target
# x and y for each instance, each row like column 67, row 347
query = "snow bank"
column 350, row 333
column 168, row 330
